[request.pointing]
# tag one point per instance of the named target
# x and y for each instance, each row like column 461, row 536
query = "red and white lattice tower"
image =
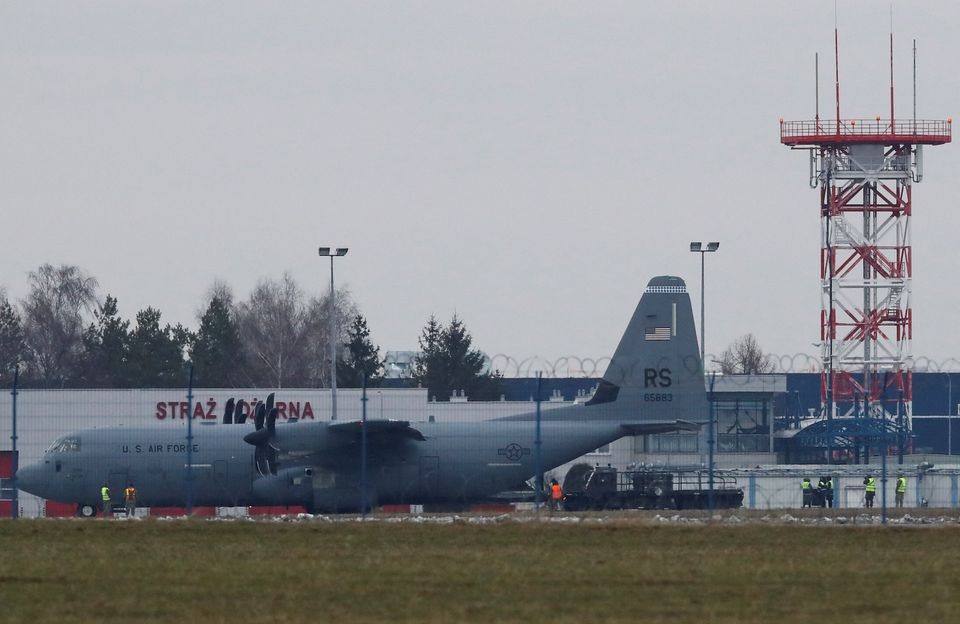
column 866, row 169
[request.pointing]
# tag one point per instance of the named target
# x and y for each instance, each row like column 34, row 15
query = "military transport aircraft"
column 654, row 384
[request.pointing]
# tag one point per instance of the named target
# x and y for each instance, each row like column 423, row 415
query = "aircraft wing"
column 660, row 426
column 381, row 429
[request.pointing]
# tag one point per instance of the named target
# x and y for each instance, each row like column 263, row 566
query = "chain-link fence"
column 573, row 366
column 237, row 452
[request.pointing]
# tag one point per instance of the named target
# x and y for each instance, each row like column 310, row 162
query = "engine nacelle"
column 290, row 486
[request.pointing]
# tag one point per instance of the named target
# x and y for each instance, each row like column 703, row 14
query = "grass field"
column 611, row 571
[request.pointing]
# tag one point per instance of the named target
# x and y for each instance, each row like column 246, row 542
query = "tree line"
column 64, row 335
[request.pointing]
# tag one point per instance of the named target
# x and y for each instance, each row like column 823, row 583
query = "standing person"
column 807, row 488
column 829, row 492
column 556, row 495
column 823, row 485
column 901, row 489
column 105, row 497
column 130, row 500
column 871, row 489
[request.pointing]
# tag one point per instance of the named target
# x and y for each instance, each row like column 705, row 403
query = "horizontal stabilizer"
column 379, row 428
column 646, row 428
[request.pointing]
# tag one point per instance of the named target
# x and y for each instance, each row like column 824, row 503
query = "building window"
column 667, row 443
column 743, row 425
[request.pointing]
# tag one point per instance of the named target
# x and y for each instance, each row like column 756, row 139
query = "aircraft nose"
column 30, row 479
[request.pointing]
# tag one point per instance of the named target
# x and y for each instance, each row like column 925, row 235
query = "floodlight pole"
column 697, row 247
column 338, row 252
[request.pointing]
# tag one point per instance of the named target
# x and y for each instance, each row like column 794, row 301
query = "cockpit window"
column 65, row 445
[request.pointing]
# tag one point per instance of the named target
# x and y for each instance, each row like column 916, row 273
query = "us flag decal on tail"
column 656, row 333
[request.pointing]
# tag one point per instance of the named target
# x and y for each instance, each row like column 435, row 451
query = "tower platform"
column 826, row 133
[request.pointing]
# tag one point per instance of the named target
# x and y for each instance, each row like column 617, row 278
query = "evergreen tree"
column 362, row 357
column 106, row 348
column 216, row 350
column 13, row 350
column 156, row 355
column 448, row 362
column 428, row 366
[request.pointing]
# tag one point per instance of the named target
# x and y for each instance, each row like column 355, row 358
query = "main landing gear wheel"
column 86, row 511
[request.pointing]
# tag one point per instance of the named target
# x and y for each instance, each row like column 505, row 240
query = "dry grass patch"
column 72, row 571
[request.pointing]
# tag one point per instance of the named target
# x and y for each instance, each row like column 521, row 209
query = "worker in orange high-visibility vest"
column 556, row 495
column 130, row 500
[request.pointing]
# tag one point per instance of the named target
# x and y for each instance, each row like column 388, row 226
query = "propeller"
column 265, row 454
column 228, row 412
column 260, row 416
column 272, row 421
column 239, row 416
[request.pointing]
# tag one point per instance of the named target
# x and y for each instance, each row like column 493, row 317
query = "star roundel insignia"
column 513, row 451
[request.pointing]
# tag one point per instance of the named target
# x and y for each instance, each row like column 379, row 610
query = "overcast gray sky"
column 527, row 165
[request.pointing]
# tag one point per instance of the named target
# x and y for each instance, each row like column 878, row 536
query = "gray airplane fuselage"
column 456, row 462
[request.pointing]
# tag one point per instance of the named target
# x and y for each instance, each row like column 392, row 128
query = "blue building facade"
column 935, row 420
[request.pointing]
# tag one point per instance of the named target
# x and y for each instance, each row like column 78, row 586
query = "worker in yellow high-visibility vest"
column 807, row 488
column 105, row 497
column 870, row 489
column 901, row 489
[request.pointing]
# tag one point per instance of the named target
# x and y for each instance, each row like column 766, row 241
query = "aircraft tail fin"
column 656, row 370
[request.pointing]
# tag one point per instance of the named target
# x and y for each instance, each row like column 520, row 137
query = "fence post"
column 14, row 461
column 189, row 439
column 364, row 501
column 883, row 475
column 711, row 441
column 537, row 443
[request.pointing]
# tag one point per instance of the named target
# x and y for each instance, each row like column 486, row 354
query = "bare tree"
column 219, row 290
column 746, row 357
column 345, row 310
column 55, row 313
column 284, row 336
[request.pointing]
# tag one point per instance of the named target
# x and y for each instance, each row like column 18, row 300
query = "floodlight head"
column 342, row 251
column 696, row 246
column 324, row 251
column 713, row 246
